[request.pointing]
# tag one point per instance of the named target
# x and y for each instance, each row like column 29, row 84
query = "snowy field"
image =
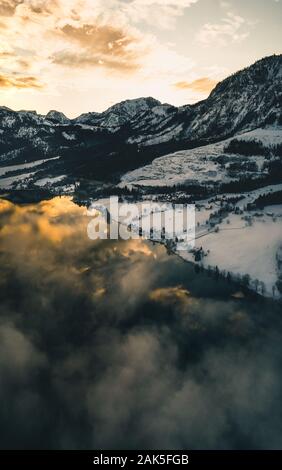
column 23, row 177
column 193, row 165
column 197, row 165
column 240, row 248
column 241, row 242
column 10, row 182
column 24, row 166
column 268, row 136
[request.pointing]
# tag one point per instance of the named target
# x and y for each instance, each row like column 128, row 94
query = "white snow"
column 238, row 247
column 24, row 166
column 268, row 136
column 198, row 165
column 6, row 183
column 49, row 180
column 179, row 167
column 68, row 136
column 242, row 249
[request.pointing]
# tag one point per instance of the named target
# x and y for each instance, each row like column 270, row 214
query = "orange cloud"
column 5, row 54
column 170, row 295
column 203, row 85
column 19, row 82
column 43, row 7
column 8, row 7
column 100, row 45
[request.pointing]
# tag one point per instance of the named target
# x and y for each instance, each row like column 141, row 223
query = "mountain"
column 119, row 114
column 246, row 100
column 57, row 118
column 134, row 132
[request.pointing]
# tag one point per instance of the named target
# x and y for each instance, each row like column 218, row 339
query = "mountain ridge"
column 135, row 131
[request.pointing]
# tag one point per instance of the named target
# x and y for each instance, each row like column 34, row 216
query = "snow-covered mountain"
column 134, row 132
column 57, row 118
column 119, row 114
column 246, row 100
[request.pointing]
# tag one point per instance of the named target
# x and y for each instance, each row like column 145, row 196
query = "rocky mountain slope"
column 246, row 100
column 134, row 132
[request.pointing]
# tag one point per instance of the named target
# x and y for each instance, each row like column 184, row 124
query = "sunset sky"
column 85, row 55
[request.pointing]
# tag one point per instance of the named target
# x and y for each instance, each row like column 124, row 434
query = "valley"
column 222, row 154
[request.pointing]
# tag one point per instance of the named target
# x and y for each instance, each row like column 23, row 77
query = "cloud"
column 101, row 46
column 225, row 4
column 170, row 294
column 103, row 336
column 202, row 85
column 20, row 360
column 158, row 13
column 8, row 7
column 7, row 81
column 231, row 29
column 42, row 7
column 91, row 47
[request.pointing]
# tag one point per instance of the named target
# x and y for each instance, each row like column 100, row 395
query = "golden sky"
column 85, row 55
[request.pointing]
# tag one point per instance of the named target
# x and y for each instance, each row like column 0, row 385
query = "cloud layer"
column 117, row 345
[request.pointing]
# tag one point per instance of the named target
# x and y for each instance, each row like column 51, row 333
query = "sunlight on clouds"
column 7, row 81
column 51, row 220
column 101, row 52
column 137, row 246
column 59, row 206
column 102, row 45
column 54, row 233
column 8, row 7
column 170, row 295
column 51, row 48
column 203, row 85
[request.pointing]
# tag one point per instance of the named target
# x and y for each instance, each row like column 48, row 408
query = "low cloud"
column 202, row 85
column 101, row 336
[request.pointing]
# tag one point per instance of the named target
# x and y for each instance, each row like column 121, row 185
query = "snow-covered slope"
column 268, row 136
column 246, row 100
column 119, row 114
column 205, row 164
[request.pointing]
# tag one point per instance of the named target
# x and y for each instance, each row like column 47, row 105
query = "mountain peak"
column 57, row 117
column 119, row 114
column 135, row 105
